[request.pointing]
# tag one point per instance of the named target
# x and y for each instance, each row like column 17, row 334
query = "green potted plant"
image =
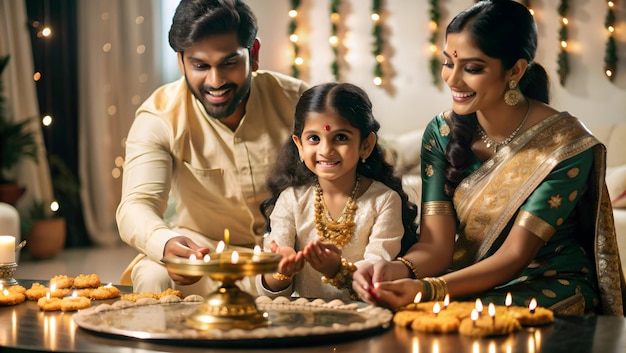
column 44, row 230
column 16, row 142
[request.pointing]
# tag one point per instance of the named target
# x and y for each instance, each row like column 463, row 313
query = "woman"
column 514, row 198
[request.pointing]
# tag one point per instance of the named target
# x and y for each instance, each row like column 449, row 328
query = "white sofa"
column 403, row 150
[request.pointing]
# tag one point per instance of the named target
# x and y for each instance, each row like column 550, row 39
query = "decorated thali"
column 292, row 321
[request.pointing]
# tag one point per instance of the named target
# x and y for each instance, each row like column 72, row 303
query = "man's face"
column 218, row 73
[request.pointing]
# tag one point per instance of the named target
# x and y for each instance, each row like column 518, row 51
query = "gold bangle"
column 436, row 287
column 410, row 265
column 343, row 278
column 280, row 277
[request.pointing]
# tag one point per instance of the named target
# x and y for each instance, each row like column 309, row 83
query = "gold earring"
column 513, row 95
column 363, row 160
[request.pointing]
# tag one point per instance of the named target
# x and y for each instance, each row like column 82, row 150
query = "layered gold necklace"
column 340, row 231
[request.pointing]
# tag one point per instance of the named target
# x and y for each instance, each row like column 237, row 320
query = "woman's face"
column 477, row 82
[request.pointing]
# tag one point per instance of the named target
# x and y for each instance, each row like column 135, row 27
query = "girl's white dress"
column 377, row 235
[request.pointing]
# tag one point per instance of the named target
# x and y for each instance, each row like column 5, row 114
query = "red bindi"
column 454, row 53
column 327, row 127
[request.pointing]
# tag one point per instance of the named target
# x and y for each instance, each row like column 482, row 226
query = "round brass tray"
column 293, row 322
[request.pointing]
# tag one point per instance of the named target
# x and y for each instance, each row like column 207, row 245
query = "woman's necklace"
column 338, row 232
column 490, row 142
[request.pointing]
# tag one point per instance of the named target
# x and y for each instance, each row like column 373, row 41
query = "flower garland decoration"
column 435, row 65
column 293, row 37
column 335, row 18
column 378, row 43
column 610, row 55
column 563, row 60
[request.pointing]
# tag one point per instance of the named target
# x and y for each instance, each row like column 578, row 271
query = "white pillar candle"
column 7, row 249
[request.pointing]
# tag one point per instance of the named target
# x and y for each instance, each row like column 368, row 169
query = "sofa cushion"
column 403, row 150
column 612, row 135
column 616, row 184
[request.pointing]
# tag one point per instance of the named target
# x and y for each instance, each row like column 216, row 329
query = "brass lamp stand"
column 228, row 307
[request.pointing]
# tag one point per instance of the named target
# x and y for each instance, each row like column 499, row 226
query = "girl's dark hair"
column 353, row 104
column 505, row 30
column 195, row 20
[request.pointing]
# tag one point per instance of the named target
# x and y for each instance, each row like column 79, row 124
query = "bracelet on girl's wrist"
column 281, row 277
column 412, row 269
column 343, row 278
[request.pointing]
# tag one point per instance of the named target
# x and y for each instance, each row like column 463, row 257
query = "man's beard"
column 223, row 110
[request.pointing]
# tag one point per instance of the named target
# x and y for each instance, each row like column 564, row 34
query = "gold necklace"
column 340, row 231
column 490, row 142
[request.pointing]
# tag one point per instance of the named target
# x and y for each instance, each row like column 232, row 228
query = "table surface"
column 33, row 330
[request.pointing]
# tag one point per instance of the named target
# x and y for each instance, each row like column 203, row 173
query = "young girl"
column 335, row 204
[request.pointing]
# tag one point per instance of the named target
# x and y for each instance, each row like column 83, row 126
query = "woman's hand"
column 394, row 294
column 367, row 275
column 184, row 247
column 323, row 257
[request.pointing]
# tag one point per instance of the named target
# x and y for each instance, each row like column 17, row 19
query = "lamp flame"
column 220, row 246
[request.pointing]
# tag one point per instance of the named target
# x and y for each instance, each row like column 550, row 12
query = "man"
column 209, row 138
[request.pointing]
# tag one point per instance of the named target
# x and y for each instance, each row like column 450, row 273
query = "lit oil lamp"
column 446, row 301
column 479, row 306
column 508, row 301
column 492, row 312
column 229, row 306
column 474, row 317
column 226, row 238
column 436, row 309
column 532, row 306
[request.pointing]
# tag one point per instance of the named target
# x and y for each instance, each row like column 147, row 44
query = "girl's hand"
column 291, row 263
column 394, row 294
column 323, row 257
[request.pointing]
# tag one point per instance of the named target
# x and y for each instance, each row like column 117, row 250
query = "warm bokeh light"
column 46, row 120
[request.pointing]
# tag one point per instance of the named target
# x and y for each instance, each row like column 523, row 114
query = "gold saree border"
column 546, row 144
column 493, row 194
column 535, row 225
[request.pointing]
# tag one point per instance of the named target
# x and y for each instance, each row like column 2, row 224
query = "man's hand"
column 184, row 247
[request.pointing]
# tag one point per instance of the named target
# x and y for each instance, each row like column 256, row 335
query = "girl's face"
column 331, row 147
column 477, row 81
